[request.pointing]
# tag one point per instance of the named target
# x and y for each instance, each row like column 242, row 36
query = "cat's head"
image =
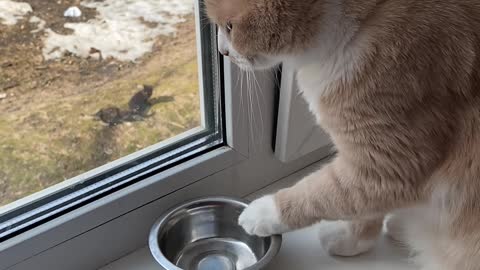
column 258, row 34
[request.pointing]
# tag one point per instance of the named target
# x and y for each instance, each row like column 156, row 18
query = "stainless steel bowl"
column 204, row 235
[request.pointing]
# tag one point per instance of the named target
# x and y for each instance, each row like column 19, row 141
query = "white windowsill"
column 300, row 250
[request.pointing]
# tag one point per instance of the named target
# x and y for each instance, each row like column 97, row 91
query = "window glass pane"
column 77, row 92
column 99, row 93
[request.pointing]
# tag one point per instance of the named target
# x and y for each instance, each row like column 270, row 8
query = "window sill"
column 300, row 250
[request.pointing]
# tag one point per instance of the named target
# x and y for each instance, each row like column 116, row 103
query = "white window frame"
column 113, row 226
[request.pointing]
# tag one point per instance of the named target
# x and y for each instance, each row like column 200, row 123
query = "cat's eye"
column 229, row 27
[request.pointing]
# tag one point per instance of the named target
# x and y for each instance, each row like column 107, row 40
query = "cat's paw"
column 340, row 242
column 262, row 218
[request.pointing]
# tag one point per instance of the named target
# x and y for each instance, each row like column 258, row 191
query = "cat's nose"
column 224, row 52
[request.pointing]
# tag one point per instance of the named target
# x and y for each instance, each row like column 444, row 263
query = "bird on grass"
column 138, row 107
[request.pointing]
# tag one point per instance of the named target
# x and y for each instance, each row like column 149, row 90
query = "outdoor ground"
column 48, row 131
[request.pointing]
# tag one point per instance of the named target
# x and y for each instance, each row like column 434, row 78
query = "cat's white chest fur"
column 331, row 61
column 316, row 80
column 320, row 78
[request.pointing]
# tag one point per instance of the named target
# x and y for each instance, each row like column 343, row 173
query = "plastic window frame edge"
column 292, row 142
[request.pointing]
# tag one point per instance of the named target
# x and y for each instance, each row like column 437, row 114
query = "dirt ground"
column 48, row 131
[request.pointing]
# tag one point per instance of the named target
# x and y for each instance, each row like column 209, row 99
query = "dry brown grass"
column 47, row 132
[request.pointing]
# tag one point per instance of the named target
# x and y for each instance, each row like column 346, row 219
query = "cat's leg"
column 339, row 191
column 352, row 238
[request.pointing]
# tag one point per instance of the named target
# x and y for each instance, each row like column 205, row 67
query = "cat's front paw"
column 262, row 218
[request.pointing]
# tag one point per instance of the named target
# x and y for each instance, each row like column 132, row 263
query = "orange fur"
column 403, row 112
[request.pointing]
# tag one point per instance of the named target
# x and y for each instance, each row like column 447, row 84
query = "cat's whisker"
column 253, row 123
column 252, row 108
column 247, row 106
column 204, row 25
column 274, row 73
column 242, row 104
column 258, row 96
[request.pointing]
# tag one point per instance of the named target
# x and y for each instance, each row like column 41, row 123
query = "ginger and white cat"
column 396, row 84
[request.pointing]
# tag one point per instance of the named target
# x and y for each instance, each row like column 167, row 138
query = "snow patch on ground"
column 40, row 24
column 125, row 30
column 11, row 12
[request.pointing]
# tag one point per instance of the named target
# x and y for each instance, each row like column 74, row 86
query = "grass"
column 52, row 135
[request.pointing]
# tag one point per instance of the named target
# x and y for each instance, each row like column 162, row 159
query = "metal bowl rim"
column 275, row 240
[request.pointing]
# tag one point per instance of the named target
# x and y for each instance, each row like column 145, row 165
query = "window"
column 98, row 95
column 219, row 130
